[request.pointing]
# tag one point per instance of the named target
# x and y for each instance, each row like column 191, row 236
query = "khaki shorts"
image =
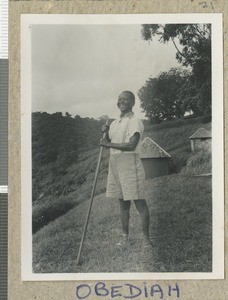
column 126, row 177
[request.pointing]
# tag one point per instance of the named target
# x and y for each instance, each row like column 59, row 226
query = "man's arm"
column 130, row 146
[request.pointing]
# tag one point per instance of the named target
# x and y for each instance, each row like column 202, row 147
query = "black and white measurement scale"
column 3, row 148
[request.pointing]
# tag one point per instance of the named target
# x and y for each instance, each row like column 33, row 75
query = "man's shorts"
column 126, row 177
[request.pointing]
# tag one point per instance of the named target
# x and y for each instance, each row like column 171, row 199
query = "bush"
column 199, row 163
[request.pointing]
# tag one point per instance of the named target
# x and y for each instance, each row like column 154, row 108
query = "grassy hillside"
column 58, row 189
column 180, row 207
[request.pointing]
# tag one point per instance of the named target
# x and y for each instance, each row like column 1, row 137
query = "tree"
column 193, row 45
column 103, row 118
column 160, row 96
column 68, row 115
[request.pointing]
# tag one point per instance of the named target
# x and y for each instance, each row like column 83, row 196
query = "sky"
column 81, row 69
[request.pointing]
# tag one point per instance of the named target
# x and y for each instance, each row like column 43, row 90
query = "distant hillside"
column 55, row 137
column 57, row 142
column 64, row 182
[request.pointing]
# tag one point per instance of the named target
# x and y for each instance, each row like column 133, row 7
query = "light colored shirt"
column 122, row 129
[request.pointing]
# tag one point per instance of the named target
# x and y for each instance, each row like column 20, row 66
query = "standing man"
column 126, row 177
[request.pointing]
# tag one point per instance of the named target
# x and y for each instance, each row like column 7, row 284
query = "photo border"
column 217, row 142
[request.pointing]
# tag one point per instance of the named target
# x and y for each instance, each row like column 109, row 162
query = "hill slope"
column 59, row 186
column 180, row 209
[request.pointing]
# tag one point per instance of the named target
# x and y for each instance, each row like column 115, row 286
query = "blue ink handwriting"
column 126, row 291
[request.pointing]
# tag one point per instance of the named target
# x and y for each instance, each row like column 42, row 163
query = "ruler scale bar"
column 4, row 246
column 4, row 8
column 4, row 72
column 3, row 121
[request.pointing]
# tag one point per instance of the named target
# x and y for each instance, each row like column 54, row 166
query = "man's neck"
column 125, row 113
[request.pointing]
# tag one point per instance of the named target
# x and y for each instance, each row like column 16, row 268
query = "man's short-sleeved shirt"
column 122, row 129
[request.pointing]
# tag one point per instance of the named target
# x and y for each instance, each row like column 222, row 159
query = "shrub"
column 198, row 163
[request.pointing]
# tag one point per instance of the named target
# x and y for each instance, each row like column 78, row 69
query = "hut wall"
column 155, row 167
column 202, row 144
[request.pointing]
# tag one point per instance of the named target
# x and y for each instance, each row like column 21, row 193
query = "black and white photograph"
column 122, row 147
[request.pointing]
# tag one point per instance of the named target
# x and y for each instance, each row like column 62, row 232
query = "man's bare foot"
column 123, row 241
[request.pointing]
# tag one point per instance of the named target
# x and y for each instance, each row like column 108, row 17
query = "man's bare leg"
column 125, row 215
column 143, row 210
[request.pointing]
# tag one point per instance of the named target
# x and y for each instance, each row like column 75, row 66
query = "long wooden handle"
column 91, row 199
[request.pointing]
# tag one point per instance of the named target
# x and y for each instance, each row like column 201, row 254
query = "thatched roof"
column 201, row 133
column 149, row 149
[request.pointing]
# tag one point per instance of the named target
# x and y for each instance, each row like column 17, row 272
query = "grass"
column 198, row 163
column 179, row 204
column 180, row 209
column 70, row 190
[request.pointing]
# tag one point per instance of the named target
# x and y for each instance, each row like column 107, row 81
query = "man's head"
column 126, row 101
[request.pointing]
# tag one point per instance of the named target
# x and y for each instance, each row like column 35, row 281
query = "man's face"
column 125, row 102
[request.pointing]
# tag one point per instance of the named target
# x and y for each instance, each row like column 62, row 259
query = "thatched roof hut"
column 154, row 158
column 201, row 140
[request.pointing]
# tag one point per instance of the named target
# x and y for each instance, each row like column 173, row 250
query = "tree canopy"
column 160, row 96
column 193, row 45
